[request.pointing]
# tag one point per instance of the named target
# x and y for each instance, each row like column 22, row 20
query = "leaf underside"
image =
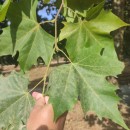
column 15, row 101
column 93, row 57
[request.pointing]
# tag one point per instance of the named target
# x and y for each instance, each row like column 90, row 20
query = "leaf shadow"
column 107, row 124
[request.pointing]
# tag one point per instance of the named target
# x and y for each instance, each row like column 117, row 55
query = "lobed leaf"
column 93, row 57
column 63, row 89
column 15, row 101
column 86, row 77
column 88, row 33
column 26, row 35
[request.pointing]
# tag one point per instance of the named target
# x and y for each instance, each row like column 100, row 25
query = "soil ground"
column 76, row 120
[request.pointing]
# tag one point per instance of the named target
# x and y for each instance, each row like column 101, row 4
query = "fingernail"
column 46, row 99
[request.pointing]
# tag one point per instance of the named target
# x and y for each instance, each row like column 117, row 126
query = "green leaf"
column 46, row 1
column 81, row 10
column 4, row 9
column 15, row 101
column 87, row 33
column 26, row 35
column 84, row 5
column 63, row 89
column 85, row 77
column 94, row 11
column 0, row 7
column 93, row 57
column 70, row 15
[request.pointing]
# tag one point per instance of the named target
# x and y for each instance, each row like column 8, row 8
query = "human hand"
column 42, row 115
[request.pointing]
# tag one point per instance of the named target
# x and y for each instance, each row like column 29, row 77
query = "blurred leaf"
column 46, row 1
column 0, row 7
column 94, row 11
column 4, row 9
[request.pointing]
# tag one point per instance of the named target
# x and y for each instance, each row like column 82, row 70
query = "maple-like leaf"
column 26, row 35
column 93, row 57
column 86, row 77
column 15, row 101
column 87, row 33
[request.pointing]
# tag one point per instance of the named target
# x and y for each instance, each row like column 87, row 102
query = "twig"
column 36, row 85
column 45, row 76
column 61, row 6
column 55, row 49
column 51, row 21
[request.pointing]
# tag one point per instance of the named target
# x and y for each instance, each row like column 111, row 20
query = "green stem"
column 46, row 73
column 51, row 21
column 36, row 85
column 55, row 48
column 65, row 55
column 61, row 6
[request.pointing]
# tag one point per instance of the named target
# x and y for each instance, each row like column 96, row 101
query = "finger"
column 36, row 95
column 40, row 100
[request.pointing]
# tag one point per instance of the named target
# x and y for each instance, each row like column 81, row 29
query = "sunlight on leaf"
column 27, row 36
column 89, row 66
column 87, row 33
column 4, row 9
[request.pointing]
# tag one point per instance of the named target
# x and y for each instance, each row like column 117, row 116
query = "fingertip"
column 36, row 95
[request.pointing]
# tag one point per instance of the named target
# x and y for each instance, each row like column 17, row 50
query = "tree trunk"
column 118, row 9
